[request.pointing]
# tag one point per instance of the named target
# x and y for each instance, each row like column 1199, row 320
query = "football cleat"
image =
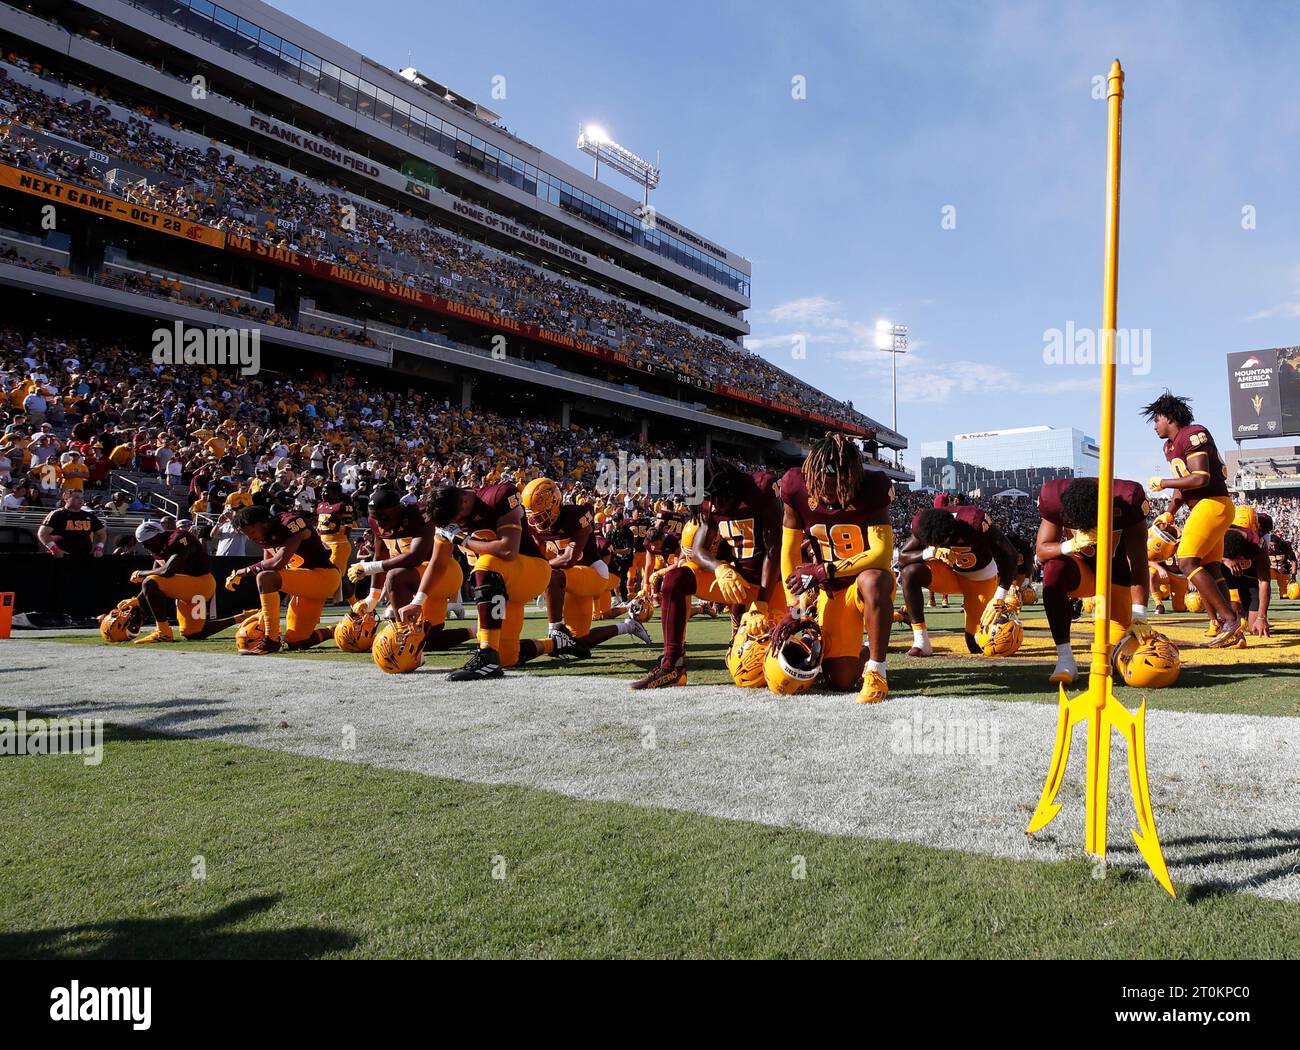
column 153, row 637
column 1153, row 664
column 794, row 658
column 637, row 630
column 264, row 646
column 485, row 663
column 311, row 641
column 663, row 675
column 875, row 688
column 566, row 645
column 1228, row 635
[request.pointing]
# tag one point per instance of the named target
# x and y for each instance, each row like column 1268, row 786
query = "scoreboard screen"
column 1264, row 392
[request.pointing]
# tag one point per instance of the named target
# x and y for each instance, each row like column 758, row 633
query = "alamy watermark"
column 651, row 477
column 920, row 735
column 210, row 347
column 53, row 736
column 1084, row 346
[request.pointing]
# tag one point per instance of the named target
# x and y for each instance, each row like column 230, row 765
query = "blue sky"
column 988, row 108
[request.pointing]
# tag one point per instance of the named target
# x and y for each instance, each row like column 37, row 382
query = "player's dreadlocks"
column 1174, row 408
column 833, row 469
column 723, row 482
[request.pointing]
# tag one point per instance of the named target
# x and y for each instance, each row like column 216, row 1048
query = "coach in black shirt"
column 71, row 531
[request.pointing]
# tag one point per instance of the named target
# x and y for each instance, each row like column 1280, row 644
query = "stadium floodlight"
column 596, row 143
column 892, row 339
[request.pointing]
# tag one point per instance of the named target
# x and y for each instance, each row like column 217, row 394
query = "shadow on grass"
column 179, row 937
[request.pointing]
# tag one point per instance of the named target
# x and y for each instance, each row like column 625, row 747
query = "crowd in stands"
column 216, row 189
column 76, row 410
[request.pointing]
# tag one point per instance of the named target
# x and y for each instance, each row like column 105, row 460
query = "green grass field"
column 309, row 857
column 1213, row 682
column 312, row 858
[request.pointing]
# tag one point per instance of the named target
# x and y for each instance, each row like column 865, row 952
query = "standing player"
column 181, row 582
column 1070, row 563
column 1200, row 481
column 956, row 550
column 410, row 565
column 334, row 518
column 508, row 569
column 297, row 563
column 841, row 508
column 69, row 531
column 730, row 558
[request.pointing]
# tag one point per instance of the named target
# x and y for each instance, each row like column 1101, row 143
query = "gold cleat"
column 153, row 637
column 662, row 676
column 875, row 688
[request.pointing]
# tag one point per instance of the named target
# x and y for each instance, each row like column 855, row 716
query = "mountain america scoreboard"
column 1264, row 392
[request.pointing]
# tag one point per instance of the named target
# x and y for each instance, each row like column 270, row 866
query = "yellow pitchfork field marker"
column 1099, row 705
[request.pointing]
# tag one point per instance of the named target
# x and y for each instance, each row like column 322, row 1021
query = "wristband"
column 372, row 568
column 54, row 548
column 1000, row 595
column 1067, row 547
column 99, row 546
column 928, row 554
column 420, row 598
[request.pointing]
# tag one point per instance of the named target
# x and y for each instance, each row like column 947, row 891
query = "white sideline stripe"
column 1226, row 788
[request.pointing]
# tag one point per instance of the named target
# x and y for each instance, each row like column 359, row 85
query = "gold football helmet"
column 1003, row 637
column 355, row 633
column 399, row 647
column 1153, row 664
column 1162, row 541
column 542, row 500
column 748, row 651
column 250, row 632
column 794, row 656
column 122, row 622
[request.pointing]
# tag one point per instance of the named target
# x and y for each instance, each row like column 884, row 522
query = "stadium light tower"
column 593, row 141
column 892, row 339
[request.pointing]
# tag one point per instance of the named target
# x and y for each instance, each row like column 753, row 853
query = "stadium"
column 605, row 632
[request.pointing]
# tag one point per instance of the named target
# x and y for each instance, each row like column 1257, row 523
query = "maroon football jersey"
column 741, row 523
column 281, row 528
column 1131, row 505
column 193, row 560
column 974, row 544
column 334, row 519
column 1131, row 508
column 572, row 519
column 411, row 523
column 494, row 502
column 1194, row 441
column 839, row 532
